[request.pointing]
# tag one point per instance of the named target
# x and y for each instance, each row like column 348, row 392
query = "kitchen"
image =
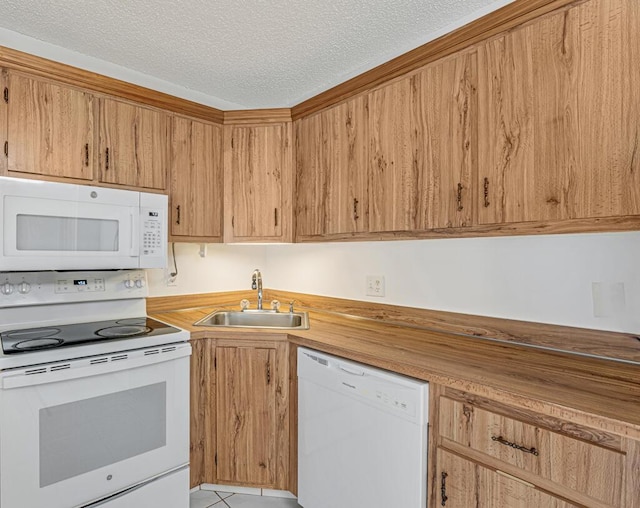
column 586, row 280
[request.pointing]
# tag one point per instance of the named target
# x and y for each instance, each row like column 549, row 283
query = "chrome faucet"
column 256, row 283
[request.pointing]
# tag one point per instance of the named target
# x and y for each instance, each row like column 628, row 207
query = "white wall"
column 224, row 268
column 536, row 278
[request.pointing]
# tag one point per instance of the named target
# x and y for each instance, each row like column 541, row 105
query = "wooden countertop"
column 595, row 392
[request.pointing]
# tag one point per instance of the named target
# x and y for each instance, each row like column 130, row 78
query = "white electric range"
column 94, row 395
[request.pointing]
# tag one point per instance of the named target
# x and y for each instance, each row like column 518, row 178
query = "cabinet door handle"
column 486, row 192
column 355, row 209
column 178, row 214
column 459, row 197
column 515, row 446
column 443, row 489
column 86, row 154
column 268, row 373
column 106, row 159
column 275, row 216
column 6, row 149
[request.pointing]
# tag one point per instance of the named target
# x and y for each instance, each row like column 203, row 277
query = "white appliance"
column 61, row 226
column 94, row 395
column 362, row 435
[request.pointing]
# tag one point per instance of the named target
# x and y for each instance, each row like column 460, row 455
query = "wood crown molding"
column 502, row 20
column 49, row 69
column 253, row 116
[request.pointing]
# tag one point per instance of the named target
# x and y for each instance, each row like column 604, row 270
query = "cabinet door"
column 421, row 148
column 332, row 170
column 246, row 415
column 196, row 180
column 202, row 404
column 464, row 483
column 50, row 129
column 559, row 117
column 134, row 145
column 258, row 182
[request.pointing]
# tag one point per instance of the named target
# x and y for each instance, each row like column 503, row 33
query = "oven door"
column 72, row 433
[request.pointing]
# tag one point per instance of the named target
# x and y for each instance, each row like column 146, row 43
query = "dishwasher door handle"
column 352, row 371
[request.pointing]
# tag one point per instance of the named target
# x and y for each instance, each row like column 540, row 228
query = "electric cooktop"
column 36, row 339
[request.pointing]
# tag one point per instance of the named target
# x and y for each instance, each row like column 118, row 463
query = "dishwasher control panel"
column 387, row 390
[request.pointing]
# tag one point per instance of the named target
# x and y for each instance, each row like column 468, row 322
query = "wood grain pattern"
column 332, row 170
column 224, row 299
column 196, row 180
column 501, row 20
column 50, row 129
column 394, row 169
column 612, row 345
column 558, row 113
column 246, row 415
column 292, row 484
column 198, row 401
column 137, row 141
column 257, row 116
column 470, row 484
column 258, row 183
column 41, row 67
column 445, row 107
column 4, row 122
column 573, row 465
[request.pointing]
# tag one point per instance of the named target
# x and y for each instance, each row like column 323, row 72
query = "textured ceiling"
column 253, row 53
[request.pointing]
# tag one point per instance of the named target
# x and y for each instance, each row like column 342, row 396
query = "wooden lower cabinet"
column 489, row 454
column 464, row 484
column 239, row 413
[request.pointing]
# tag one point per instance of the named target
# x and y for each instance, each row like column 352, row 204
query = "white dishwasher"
column 362, row 435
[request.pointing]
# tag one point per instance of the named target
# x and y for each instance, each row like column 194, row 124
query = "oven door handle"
column 95, row 366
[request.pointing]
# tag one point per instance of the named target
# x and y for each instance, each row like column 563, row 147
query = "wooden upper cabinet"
column 50, row 129
column 421, row 151
column 258, row 168
column 134, row 145
column 559, row 117
column 332, row 170
column 196, row 180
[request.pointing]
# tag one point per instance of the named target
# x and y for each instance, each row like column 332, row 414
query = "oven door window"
column 85, row 435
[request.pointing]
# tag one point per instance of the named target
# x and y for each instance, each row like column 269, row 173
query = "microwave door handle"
column 134, row 215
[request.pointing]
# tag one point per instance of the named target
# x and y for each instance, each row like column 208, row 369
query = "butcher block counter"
column 496, row 373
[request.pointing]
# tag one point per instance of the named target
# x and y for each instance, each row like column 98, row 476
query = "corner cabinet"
column 258, row 180
column 134, row 145
column 489, row 454
column 240, row 412
column 196, row 181
column 50, row 128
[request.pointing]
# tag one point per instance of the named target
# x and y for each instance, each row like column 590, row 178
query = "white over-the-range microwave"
column 61, row 226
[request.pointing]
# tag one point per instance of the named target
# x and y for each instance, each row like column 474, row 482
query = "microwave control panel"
column 153, row 230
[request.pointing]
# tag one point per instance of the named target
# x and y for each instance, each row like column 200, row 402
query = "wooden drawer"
column 564, row 464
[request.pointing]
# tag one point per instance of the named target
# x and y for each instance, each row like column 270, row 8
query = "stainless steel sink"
column 256, row 319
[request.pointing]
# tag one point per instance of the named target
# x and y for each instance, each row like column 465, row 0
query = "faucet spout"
column 256, row 283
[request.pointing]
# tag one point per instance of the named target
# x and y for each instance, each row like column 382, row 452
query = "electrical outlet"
column 170, row 280
column 375, row 285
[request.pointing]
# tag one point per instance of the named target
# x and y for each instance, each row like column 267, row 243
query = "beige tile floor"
column 209, row 498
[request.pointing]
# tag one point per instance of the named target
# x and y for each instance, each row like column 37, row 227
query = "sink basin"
column 256, row 319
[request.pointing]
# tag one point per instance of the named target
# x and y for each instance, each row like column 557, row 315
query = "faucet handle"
column 275, row 305
column 244, row 304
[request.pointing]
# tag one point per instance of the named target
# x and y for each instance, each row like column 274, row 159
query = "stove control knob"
column 24, row 288
column 129, row 284
column 6, row 288
column 139, row 283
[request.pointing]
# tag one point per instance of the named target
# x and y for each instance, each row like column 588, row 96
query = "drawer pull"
column 524, row 449
column 443, row 489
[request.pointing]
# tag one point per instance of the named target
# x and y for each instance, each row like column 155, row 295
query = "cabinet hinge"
column 6, row 149
column 6, row 95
